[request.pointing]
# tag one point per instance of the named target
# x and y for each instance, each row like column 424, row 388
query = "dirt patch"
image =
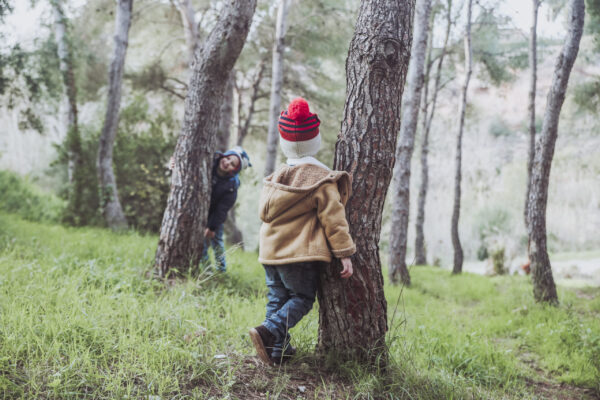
column 556, row 391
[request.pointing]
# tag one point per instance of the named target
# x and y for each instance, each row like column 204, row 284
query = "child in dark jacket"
column 225, row 184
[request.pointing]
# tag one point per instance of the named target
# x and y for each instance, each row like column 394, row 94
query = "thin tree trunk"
column 427, row 118
column 76, row 179
column 352, row 313
column 276, row 83
column 531, row 108
column 109, row 195
column 190, row 26
column 406, row 142
column 544, row 289
column 458, row 251
column 232, row 232
column 181, row 235
column 244, row 128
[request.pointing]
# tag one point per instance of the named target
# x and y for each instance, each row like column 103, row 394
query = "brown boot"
column 263, row 341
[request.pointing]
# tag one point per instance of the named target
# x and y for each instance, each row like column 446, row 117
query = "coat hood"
column 288, row 188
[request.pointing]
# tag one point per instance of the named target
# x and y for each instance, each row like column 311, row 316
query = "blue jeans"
column 292, row 292
column 218, row 246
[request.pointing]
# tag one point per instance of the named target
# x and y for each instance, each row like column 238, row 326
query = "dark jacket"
column 224, row 194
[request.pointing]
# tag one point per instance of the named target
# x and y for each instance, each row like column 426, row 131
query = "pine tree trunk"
column 427, row 118
column 184, row 220
column 406, row 141
column 531, row 107
column 276, row 83
column 224, row 129
column 544, row 289
column 109, row 195
column 458, row 251
column 73, row 140
column 352, row 313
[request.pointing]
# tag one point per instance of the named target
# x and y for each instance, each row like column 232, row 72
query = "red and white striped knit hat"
column 299, row 130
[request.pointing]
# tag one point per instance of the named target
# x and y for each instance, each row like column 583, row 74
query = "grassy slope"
column 79, row 318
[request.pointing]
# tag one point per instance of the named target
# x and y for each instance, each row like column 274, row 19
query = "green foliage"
column 111, row 331
column 498, row 50
column 19, row 196
column 499, row 127
column 498, row 261
column 143, row 147
column 145, row 141
column 592, row 23
column 587, row 96
column 29, row 77
column 5, row 9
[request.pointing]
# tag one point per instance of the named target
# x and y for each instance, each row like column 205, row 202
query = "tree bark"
column 458, row 251
column 544, row 289
column 406, row 142
column 352, row 313
column 276, row 83
column 109, row 195
column 531, row 107
column 420, row 251
column 181, row 235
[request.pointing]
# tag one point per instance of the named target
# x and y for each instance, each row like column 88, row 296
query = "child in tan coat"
column 302, row 207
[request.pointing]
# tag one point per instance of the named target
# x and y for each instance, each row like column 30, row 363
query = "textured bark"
column 276, row 83
column 531, row 107
column 544, row 289
column 410, row 116
column 225, row 113
column 109, row 195
column 181, row 234
column 420, row 252
column 352, row 313
column 458, row 251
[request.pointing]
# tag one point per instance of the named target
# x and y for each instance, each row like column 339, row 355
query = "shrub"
column 19, row 196
column 145, row 142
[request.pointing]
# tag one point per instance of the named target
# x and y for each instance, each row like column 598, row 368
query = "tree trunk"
column 224, row 129
column 406, row 142
column 190, row 26
column 352, row 313
column 458, row 251
column 244, row 128
column 109, row 195
column 531, row 108
column 276, row 83
column 544, row 289
column 184, row 220
column 232, row 232
column 73, row 140
column 427, row 118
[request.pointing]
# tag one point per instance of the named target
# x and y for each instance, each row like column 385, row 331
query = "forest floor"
column 81, row 317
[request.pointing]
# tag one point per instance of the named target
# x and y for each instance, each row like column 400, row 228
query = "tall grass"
column 82, row 317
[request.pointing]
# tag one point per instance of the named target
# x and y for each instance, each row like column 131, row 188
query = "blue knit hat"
column 241, row 155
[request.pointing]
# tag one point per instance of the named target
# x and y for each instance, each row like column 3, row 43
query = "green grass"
column 81, row 317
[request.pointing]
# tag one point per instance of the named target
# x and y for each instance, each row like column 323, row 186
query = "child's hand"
column 209, row 234
column 347, row 267
column 172, row 163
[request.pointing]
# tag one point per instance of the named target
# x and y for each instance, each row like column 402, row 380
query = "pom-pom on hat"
column 299, row 130
column 240, row 153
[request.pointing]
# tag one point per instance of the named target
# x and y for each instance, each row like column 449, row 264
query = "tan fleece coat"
column 303, row 214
